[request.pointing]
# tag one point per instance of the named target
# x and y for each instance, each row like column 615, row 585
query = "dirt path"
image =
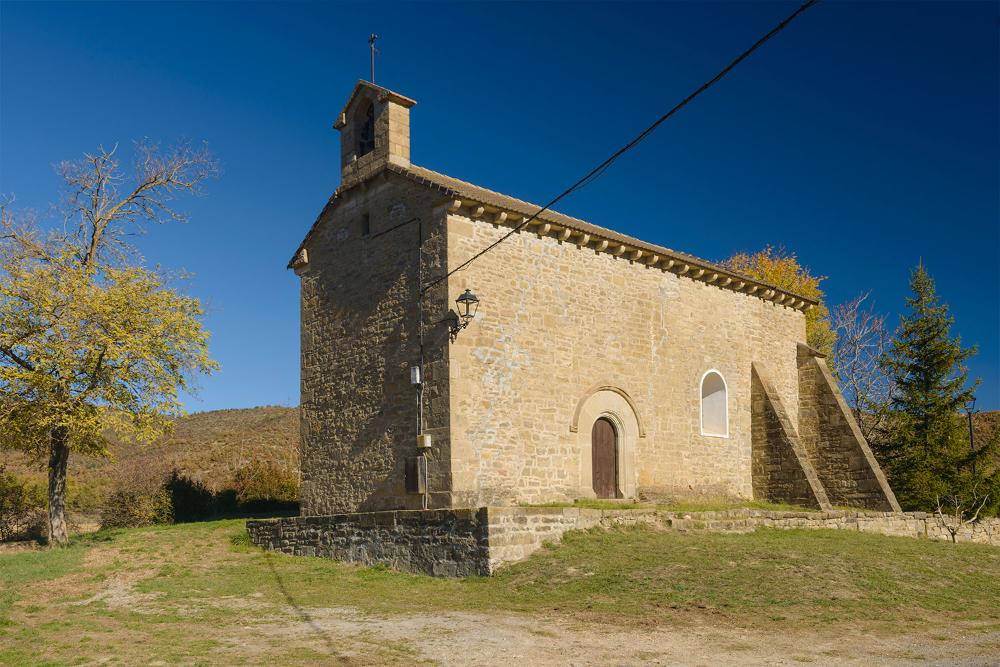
column 101, row 608
column 474, row 640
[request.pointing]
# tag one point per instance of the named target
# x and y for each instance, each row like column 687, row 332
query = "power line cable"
column 394, row 228
column 597, row 171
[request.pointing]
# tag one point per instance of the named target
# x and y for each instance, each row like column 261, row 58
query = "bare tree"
column 956, row 511
column 104, row 215
column 862, row 338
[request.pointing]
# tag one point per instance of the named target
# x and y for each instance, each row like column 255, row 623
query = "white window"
column 714, row 405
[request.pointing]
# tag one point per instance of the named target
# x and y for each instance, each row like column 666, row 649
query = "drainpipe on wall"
column 423, row 440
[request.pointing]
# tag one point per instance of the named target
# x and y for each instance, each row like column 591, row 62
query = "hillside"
column 206, row 446
column 210, row 446
column 986, row 425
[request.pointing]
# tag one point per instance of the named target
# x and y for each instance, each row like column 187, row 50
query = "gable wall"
column 556, row 321
column 359, row 338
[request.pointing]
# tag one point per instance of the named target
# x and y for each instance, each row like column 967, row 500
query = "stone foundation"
column 437, row 542
column 473, row 542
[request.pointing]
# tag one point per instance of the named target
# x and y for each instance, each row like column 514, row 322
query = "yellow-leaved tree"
column 782, row 269
column 91, row 341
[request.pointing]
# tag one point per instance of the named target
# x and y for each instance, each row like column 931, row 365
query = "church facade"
column 595, row 365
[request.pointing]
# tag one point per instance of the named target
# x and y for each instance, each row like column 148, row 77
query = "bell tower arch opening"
column 365, row 129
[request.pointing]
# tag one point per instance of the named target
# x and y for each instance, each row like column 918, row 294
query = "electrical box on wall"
column 424, row 441
column 415, row 375
column 416, row 475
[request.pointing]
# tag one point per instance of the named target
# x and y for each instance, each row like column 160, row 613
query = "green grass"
column 196, row 593
column 17, row 573
column 677, row 506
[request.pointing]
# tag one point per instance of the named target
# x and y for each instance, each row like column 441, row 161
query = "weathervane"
column 371, row 43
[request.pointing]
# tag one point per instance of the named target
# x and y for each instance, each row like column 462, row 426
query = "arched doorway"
column 604, row 457
column 612, row 404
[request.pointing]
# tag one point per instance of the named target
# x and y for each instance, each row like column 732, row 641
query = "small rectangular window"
column 366, row 225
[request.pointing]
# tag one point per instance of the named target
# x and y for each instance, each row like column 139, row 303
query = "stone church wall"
column 565, row 334
column 359, row 338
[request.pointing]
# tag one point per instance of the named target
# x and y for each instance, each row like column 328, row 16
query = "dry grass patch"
column 201, row 594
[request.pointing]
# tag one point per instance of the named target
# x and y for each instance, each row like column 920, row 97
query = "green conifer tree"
column 926, row 452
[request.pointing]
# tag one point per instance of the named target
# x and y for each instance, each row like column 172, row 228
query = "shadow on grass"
column 304, row 615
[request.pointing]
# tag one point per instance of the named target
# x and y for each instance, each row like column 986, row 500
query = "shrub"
column 264, row 482
column 85, row 497
column 191, row 500
column 138, row 498
column 22, row 509
column 143, row 497
column 226, row 503
column 133, row 508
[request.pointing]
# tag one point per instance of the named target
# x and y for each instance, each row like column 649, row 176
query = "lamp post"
column 468, row 304
column 970, row 408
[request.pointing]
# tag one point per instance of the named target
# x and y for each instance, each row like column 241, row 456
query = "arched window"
column 714, row 405
column 366, row 131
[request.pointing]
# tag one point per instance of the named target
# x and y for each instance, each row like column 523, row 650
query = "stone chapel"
column 570, row 361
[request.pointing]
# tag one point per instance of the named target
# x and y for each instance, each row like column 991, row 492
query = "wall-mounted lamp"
column 468, row 304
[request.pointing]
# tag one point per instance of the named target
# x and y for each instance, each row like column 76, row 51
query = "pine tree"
column 926, row 452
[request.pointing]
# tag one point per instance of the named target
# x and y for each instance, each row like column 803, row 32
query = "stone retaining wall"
column 478, row 541
column 920, row 525
column 517, row 532
column 438, row 542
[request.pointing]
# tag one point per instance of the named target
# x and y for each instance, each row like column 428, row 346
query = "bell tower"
column 374, row 129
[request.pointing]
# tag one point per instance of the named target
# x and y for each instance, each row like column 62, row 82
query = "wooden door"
column 604, row 453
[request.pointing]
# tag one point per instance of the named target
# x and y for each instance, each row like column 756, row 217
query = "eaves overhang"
column 479, row 203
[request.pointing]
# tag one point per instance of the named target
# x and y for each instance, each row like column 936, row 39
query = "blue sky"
column 864, row 137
